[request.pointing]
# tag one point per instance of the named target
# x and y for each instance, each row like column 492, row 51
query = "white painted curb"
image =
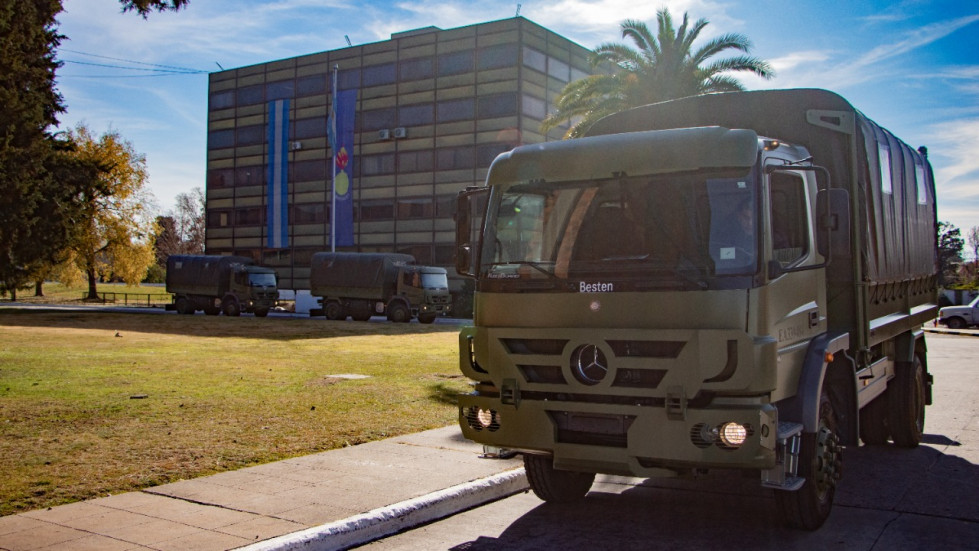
column 360, row 529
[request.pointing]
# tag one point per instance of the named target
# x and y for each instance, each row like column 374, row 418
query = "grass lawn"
column 99, row 403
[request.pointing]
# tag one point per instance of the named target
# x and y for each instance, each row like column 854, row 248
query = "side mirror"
column 833, row 223
column 470, row 211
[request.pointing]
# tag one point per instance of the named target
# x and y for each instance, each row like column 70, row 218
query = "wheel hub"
column 829, row 460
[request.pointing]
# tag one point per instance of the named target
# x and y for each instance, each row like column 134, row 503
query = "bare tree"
column 188, row 218
column 972, row 237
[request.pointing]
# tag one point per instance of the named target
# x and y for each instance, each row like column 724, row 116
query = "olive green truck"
column 730, row 281
column 215, row 284
column 360, row 285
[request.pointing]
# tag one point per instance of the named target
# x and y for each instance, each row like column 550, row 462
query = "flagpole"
column 333, row 126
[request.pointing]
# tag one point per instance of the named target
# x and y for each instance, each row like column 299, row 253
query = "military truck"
column 360, row 285
column 215, row 284
column 729, row 281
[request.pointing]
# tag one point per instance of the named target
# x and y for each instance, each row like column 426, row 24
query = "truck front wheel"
column 231, row 307
column 426, row 318
column 552, row 485
column 907, row 411
column 820, row 463
column 261, row 312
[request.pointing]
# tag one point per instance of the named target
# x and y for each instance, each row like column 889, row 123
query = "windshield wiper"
column 535, row 265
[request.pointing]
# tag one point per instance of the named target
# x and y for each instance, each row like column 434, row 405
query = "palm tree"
column 663, row 67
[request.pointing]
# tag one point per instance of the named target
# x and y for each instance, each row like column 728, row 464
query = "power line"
column 162, row 68
column 158, row 71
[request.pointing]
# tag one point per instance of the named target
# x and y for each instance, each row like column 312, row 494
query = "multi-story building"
column 434, row 108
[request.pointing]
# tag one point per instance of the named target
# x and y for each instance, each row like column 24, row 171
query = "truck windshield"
column 261, row 280
column 667, row 231
column 435, row 281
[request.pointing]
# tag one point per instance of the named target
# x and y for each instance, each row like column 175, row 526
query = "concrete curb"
column 961, row 332
column 360, row 529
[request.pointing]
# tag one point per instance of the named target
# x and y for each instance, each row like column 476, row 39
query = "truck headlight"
column 733, row 434
column 480, row 419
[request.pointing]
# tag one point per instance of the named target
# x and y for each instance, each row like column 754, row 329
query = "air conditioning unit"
column 400, row 132
column 384, row 134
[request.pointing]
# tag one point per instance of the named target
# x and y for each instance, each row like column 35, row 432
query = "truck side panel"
column 206, row 275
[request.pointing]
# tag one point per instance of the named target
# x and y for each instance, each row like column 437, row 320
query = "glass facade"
column 434, row 108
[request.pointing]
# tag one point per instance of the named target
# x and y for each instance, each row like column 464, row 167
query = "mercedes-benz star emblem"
column 588, row 364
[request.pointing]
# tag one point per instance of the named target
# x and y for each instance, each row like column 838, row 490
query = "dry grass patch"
column 85, row 413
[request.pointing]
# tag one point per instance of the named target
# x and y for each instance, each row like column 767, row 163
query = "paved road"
column 889, row 498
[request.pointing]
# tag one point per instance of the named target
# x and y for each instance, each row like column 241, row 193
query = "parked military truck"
column 361, row 285
column 215, row 284
column 730, row 281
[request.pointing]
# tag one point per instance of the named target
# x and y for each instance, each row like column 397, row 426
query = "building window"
column 415, row 69
column 311, row 85
column 219, row 178
column 497, row 57
column 348, row 78
column 309, row 128
column 308, row 171
column 222, row 100
column 250, row 176
column 311, row 213
column 218, row 139
column 456, row 110
column 445, row 206
column 416, row 115
column 251, row 216
column 251, row 95
column 534, row 59
column 282, row 89
column 376, row 209
column 455, row 63
column 218, row 218
column 377, row 119
column 456, row 158
column 534, row 107
column 497, row 105
column 445, row 255
column 487, row 152
column 374, row 165
column 416, row 161
column 414, row 208
column 379, row 74
column 558, row 69
column 251, row 135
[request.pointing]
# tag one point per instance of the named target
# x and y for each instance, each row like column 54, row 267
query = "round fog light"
column 485, row 417
column 733, row 434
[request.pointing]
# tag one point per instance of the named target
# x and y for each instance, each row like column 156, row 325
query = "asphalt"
column 331, row 500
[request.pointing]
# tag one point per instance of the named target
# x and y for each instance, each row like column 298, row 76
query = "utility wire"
column 165, row 69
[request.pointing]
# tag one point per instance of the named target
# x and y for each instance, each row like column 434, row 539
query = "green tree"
column 144, row 7
column 40, row 178
column 950, row 245
column 661, row 67
column 113, row 236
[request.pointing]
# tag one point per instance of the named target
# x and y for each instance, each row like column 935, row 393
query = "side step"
column 785, row 475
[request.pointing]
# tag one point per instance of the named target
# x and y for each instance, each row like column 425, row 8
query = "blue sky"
column 912, row 66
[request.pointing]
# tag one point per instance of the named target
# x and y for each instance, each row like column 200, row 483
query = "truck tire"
column 183, row 306
column 552, row 485
column 231, row 307
column 907, row 405
column 956, row 323
column 334, row 311
column 820, row 463
column 426, row 318
column 212, row 309
column 261, row 312
column 399, row 313
column 873, row 421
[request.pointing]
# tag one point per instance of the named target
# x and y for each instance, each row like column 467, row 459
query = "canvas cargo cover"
column 355, row 275
column 894, row 215
column 207, row 275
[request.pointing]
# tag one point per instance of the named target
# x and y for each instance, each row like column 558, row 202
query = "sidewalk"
column 330, row 500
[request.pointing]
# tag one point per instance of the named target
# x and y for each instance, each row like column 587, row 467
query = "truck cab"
column 426, row 289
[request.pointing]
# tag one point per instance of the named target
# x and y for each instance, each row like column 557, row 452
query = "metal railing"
column 131, row 299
